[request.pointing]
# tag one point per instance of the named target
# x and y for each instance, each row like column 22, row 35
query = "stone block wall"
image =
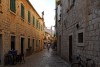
column 11, row 24
column 87, row 15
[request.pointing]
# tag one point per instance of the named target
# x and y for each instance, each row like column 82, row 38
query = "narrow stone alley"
column 44, row 58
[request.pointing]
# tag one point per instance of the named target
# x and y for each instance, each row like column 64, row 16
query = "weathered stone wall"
column 11, row 24
column 87, row 14
column 58, row 26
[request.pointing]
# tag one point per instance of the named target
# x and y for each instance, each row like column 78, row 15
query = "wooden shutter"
column 22, row 11
column 33, row 20
column 12, row 5
column 29, row 16
column 0, row 1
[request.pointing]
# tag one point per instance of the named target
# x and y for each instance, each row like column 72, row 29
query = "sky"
column 48, row 6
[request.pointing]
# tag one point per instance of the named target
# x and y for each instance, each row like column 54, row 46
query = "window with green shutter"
column 36, row 23
column 13, row 5
column 33, row 20
column 41, row 27
column 29, row 16
column 0, row 1
column 22, row 11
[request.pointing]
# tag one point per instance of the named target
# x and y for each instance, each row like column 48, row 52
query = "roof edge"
column 34, row 9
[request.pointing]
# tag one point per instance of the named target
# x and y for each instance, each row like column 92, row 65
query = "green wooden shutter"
column 41, row 27
column 22, row 11
column 36, row 23
column 0, row 1
column 12, row 5
column 33, row 20
column 29, row 16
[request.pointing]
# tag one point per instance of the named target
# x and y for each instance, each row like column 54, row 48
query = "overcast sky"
column 48, row 6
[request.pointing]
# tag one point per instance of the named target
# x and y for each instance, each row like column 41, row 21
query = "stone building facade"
column 80, row 34
column 58, row 25
column 21, row 27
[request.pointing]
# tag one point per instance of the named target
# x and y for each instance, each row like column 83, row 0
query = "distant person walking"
column 48, row 46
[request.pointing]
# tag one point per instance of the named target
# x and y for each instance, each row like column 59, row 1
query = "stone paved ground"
column 42, row 59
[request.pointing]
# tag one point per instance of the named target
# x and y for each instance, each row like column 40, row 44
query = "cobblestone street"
column 42, row 59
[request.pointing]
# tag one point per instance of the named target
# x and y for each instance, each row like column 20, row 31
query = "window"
column 13, row 5
column 80, row 37
column 28, row 43
column 41, row 27
column 36, row 23
column 0, row 1
column 39, row 42
column 33, row 20
column 71, row 3
column 22, row 11
column 12, row 42
column 33, row 44
column 36, row 43
column 29, row 16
